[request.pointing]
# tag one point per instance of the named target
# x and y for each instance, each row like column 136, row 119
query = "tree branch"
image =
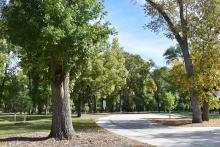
column 182, row 19
column 167, row 19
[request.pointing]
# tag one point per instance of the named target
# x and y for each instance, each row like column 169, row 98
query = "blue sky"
column 128, row 19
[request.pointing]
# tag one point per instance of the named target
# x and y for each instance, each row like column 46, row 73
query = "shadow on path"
column 132, row 124
column 209, row 138
column 24, row 139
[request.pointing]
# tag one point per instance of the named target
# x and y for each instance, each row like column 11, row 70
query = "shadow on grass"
column 24, row 139
column 78, row 126
column 21, row 117
column 25, row 126
column 10, row 131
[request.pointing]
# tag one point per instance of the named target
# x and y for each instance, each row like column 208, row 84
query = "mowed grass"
column 214, row 116
column 189, row 114
column 40, row 123
column 211, row 116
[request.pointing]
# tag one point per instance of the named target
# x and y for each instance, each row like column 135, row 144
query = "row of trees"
column 195, row 26
column 125, row 81
column 63, row 52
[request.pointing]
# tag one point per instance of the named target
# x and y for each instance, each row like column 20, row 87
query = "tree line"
column 56, row 57
column 125, row 81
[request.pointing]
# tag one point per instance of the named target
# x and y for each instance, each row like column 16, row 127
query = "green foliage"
column 103, row 75
column 39, row 89
column 168, row 101
column 173, row 53
column 140, row 87
column 115, row 71
column 204, row 43
column 4, row 56
column 16, row 98
column 72, row 35
column 3, row 61
column 214, row 103
column 55, row 27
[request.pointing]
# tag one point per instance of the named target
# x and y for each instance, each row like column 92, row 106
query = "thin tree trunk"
column 94, row 105
column 158, row 101
column 79, row 107
column 61, row 122
column 90, row 106
column 205, row 111
column 121, row 103
column 46, row 109
column 40, row 109
column 101, row 104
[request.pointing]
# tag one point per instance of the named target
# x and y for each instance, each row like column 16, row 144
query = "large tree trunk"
column 205, row 111
column 62, row 127
column 183, row 42
column 196, row 110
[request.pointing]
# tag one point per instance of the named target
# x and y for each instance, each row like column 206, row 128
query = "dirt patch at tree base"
column 184, row 122
column 89, row 137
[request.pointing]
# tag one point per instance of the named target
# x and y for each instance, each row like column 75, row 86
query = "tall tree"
column 161, row 78
column 205, row 51
column 16, row 97
column 204, row 26
column 138, row 92
column 174, row 18
column 115, row 74
column 58, row 33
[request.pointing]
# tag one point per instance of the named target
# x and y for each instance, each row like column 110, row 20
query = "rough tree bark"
column 61, row 127
column 61, row 122
column 3, row 81
column 205, row 111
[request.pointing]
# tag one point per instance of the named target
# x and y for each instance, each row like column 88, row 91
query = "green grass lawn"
column 185, row 113
column 40, row 123
column 211, row 116
column 214, row 116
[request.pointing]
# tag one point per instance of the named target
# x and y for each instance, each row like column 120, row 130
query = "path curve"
column 136, row 126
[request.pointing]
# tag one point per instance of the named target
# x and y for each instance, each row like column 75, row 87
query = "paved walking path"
column 136, row 126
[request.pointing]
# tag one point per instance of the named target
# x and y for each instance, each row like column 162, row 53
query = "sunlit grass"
column 40, row 123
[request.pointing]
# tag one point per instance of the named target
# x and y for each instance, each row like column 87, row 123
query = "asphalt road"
column 137, row 127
